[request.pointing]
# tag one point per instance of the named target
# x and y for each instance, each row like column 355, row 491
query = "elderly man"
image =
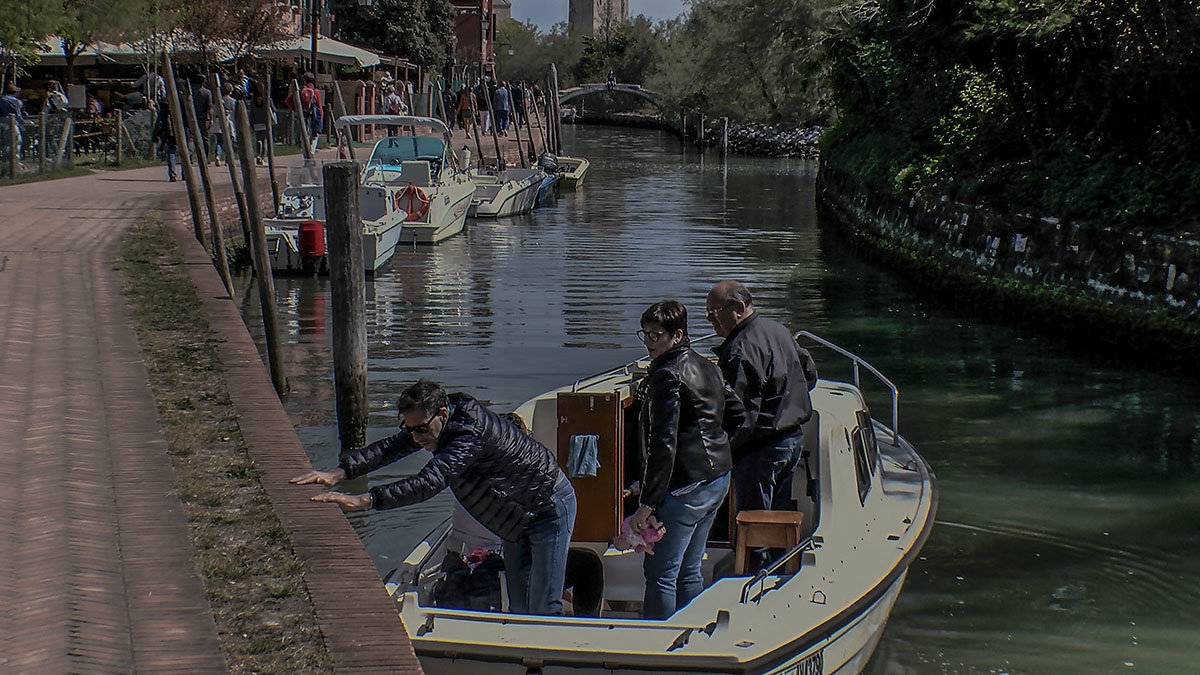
column 504, row 478
column 772, row 375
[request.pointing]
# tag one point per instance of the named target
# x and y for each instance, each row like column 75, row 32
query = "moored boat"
column 505, row 192
column 876, row 505
column 571, row 171
column 417, row 170
column 296, row 238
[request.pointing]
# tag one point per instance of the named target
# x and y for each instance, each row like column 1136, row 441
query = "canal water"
column 1068, row 532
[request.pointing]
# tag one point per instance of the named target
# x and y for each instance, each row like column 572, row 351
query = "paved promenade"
column 95, row 553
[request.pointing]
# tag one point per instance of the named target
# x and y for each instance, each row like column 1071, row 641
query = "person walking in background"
column 56, row 99
column 202, row 105
column 685, row 407
column 261, row 113
column 226, row 107
column 393, row 104
column 311, row 107
column 164, row 135
column 501, row 104
column 483, row 99
column 772, row 376
column 11, row 106
column 506, row 480
column 466, row 102
column 517, row 93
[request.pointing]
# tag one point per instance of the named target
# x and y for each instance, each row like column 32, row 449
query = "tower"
column 597, row 16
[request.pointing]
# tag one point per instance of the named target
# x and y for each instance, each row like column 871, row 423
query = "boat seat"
column 416, row 172
column 767, row 529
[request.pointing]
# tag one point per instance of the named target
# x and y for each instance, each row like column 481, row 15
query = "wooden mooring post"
column 298, row 112
column 181, row 139
column 347, row 291
column 42, row 156
column 724, row 136
column 210, row 200
column 117, row 129
column 239, row 191
column 14, row 145
column 259, row 255
column 270, row 150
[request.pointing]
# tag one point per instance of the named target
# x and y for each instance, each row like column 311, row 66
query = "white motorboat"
column 418, row 172
column 505, row 192
column 876, row 508
column 296, row 239
column 571, row 171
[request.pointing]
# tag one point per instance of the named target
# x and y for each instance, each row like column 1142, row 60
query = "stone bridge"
column 573, row 93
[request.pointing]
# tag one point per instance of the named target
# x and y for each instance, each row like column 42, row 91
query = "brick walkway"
column 95, row 554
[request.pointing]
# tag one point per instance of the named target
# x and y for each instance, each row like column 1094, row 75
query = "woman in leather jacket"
column 685, row 409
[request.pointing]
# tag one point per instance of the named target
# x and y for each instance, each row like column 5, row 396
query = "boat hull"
column 446, row 219
column 507, row 194
column 572, row 172
column 379, row 242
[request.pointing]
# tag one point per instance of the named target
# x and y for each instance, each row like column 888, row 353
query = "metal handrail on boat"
column 808, row 543
column 858, row 361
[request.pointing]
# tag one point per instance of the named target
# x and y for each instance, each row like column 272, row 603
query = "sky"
column 546, row 13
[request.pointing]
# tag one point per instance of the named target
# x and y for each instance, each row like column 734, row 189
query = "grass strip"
column 259, row 600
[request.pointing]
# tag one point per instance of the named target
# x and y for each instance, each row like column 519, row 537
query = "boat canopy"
column 394, row 150
column 433, row 124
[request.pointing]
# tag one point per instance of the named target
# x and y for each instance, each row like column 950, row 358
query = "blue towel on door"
column 583, row 458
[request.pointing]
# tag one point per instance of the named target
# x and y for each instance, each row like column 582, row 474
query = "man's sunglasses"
column 419, row 428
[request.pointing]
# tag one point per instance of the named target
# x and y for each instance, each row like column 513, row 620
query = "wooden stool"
column 767, row 529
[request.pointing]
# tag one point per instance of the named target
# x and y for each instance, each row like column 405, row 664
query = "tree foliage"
column 1076, row 108
column 417, row 30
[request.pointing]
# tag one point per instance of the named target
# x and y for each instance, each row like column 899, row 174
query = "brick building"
column 597, row 16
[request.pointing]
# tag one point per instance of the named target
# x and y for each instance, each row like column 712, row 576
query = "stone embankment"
column 1137, row 291
column 764, row 140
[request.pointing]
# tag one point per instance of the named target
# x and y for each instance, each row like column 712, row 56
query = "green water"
column 1069, row 524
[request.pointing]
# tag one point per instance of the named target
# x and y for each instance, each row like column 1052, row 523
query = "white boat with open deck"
column 296, row 238
column 418, row 172
column 571, row 171
column 876, row 508
column 505, row 192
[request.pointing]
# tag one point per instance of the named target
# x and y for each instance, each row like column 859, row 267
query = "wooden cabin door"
column 598, row 498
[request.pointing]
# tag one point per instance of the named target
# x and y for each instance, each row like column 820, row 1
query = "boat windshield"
column 394, row 150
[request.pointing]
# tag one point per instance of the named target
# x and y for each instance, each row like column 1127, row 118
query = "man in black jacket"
column 503, row 477
column 772, row 375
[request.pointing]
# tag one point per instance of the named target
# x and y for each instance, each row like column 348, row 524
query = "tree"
column 82, row 23
column 24, row 27
column 416, row 30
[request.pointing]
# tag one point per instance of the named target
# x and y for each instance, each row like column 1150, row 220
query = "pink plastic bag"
column 640, row 540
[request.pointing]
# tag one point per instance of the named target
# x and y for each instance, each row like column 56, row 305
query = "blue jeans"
column 171, row 151
column 501, row 120
column 673, row 577
column 535, row 565
column 762, row 477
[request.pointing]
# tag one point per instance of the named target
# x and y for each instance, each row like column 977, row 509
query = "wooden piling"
column 271, row 117
column 214, row 222
column 181, row 139
column 347, row 292
column 491, row 111
column 117, row 132
column 515, row 121
column 14, row 145
column 239, row 192
column 724, row 136
column 42, row 156
column 64, row 141
column 343, row 135
column 553, row 110
column 259, row 255
column 700, row 133
column 475, row 127
column 298, row 112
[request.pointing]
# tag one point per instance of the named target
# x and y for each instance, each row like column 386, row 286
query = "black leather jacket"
column 686, row 407
column 772, row 376
column 499, row 473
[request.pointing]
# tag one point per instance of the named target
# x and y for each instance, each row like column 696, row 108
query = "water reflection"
column 1067, row 530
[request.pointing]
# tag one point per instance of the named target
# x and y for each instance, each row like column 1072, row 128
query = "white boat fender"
column 464, row 159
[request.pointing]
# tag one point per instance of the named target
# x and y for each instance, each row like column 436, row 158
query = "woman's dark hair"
column 426, row 395
column 670, row 314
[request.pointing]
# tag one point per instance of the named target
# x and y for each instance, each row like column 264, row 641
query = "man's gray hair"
column 735, row 291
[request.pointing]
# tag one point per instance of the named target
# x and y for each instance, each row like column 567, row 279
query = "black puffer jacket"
column 499, row 473
column 686, row 407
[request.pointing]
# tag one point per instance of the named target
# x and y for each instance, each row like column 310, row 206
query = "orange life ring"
column 415, row 196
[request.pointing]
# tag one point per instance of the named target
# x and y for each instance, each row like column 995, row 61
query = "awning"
column 328, row 49
column 100, row 52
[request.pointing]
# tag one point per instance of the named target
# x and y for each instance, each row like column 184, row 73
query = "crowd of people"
column 502, row 102
column 703, row 427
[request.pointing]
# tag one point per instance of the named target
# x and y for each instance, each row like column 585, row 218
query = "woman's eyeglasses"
column 650, row 335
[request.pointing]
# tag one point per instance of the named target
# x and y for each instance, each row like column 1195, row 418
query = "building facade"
column 597, row 16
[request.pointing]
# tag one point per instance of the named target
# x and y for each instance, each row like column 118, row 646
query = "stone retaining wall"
column 1152, row 270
